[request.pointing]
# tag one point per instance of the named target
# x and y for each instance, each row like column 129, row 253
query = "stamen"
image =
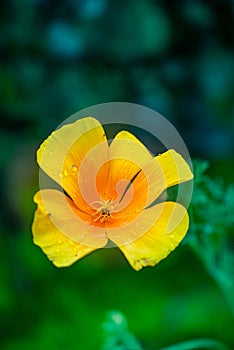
column 103, row 213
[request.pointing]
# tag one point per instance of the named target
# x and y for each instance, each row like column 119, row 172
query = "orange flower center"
column 102, row 211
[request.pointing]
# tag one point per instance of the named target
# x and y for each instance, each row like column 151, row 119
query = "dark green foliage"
column 211, row 228
column 117, row 336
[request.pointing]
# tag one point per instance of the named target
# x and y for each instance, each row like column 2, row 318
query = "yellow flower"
column 106, row 196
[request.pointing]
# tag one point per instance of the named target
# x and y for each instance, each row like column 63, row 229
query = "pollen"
column 104, row 211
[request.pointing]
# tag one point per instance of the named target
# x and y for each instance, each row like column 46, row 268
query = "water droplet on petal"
column 51, row 153
column 60, row 174
column 65, row 172
column 74, row 168
column 142, row 227
column 132, row 150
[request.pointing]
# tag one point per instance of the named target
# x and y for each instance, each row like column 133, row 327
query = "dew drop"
column 142, row 227
column 74, row 168
column 132, row 150
column 60, row 174
column 65, row 172
column 51, row 153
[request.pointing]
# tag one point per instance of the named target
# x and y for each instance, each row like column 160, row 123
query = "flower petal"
column 145, row 155
column 127, row 155
column 171, row 223
column 62, row 153
column 61, row 231
column 165, row 170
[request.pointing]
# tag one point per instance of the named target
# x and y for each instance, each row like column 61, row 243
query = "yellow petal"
column 63, row 152
column 127, row 155
column 61, row 231
column 144, row 155
column 166, row 170
column 126, row 146
column 145, row 243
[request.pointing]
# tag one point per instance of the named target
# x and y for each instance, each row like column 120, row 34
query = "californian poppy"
column 107, row 194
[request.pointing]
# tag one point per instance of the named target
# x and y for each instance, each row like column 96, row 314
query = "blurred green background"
column 58, row 57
